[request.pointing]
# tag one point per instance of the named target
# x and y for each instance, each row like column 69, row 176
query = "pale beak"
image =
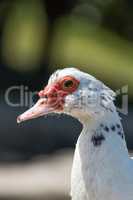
column 39, row 109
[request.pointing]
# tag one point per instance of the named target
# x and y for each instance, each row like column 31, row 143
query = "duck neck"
column 102, row 154
column 103, row 137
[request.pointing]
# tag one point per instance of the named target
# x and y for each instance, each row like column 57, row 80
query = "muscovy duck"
column 102, row 168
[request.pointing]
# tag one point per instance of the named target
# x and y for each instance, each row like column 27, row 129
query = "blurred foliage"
column 98, row 51
column 95, row 34
column 24, row 35
column 97, row 37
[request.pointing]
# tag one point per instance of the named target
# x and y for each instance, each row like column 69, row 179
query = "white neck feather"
column 113, row 147
column 99, row 165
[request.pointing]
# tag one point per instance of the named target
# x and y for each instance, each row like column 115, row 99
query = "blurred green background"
column 36, row 38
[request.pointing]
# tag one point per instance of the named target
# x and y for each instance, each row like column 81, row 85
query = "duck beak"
column 39, row 109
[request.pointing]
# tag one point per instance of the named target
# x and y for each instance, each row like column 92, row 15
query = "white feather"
column 103, row 172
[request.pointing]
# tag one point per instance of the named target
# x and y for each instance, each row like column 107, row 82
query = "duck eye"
column 68, row 84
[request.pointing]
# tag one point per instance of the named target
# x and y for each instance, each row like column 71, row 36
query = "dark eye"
column 68, row 84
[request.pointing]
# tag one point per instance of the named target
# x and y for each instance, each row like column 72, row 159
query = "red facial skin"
column 52, row 98
column 56, row 93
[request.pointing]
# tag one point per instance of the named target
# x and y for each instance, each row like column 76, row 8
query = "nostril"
column 45, row 96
